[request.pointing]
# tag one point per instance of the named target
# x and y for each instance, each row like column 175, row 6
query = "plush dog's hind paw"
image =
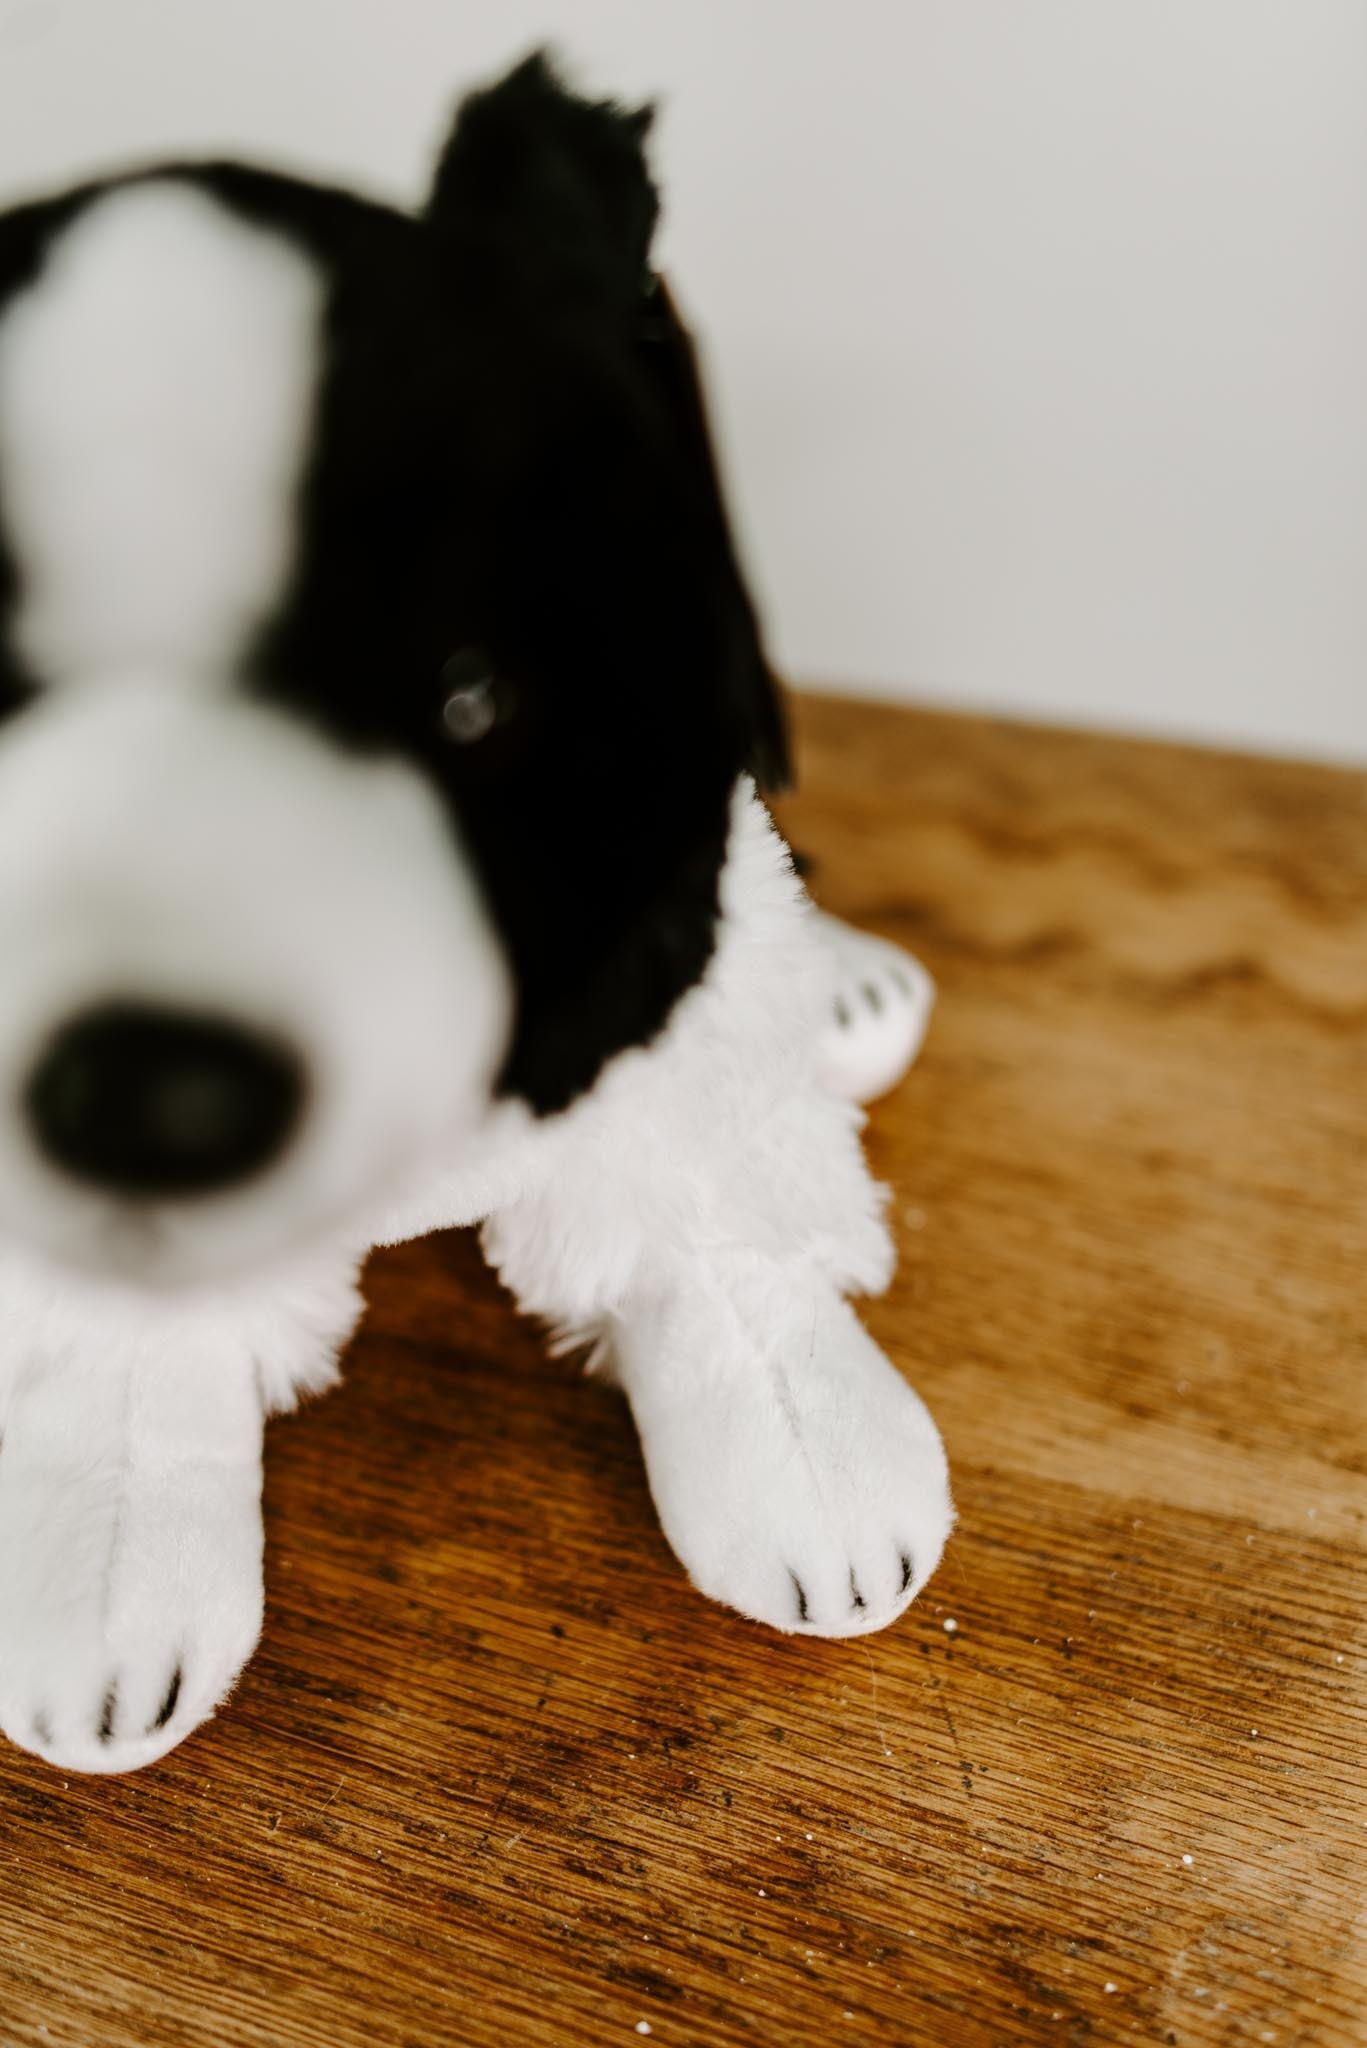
column 880, row 1003
column 130, row 1592
column 797, row 1476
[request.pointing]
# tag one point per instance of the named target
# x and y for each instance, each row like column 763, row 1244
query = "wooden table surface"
column 497, row 1776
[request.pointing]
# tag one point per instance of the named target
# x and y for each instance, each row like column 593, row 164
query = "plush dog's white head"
column 374, row 671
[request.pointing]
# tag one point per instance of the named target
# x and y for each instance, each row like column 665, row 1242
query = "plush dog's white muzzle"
column 249, row 983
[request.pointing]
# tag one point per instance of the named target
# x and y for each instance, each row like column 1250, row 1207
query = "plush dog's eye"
column 476, row 697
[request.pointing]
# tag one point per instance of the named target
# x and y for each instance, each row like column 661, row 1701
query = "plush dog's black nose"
column 153, row 1104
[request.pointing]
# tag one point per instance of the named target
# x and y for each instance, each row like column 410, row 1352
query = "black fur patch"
column 25, row 233
column 511, row 465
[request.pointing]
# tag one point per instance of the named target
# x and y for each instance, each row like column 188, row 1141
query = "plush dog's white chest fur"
column 156, row 392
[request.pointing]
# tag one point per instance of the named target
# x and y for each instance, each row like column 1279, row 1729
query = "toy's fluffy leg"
column 130, row 1507
column 702, row 1215
column 130, row 1527
column 796, row 1474
column 878, row 1011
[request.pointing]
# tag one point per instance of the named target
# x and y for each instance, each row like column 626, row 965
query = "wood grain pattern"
column 498, row 1776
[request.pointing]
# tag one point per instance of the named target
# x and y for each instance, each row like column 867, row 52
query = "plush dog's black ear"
column 596, row 567
column 541, row 219
column 549, row 192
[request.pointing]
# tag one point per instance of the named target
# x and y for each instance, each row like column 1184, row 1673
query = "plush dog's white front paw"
column 797, row 1476
column 881, row 998
column 130, row 1567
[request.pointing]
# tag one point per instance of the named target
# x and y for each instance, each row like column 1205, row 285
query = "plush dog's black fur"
column 511, row 491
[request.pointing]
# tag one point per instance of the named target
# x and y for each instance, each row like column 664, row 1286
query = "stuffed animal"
column 382, row 720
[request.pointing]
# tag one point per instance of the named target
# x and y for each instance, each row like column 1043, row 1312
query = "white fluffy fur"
column 156, row 388
column 130, row 1496
column 698, row 1217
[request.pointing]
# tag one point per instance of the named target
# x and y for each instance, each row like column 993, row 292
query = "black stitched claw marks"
column 168, row 1705
column 106, row 1725
column 817, row 1608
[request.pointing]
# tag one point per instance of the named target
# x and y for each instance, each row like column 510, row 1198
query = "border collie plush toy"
column 380, row 849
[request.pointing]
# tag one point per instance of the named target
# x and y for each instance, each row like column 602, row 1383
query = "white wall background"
column 1038, row 327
